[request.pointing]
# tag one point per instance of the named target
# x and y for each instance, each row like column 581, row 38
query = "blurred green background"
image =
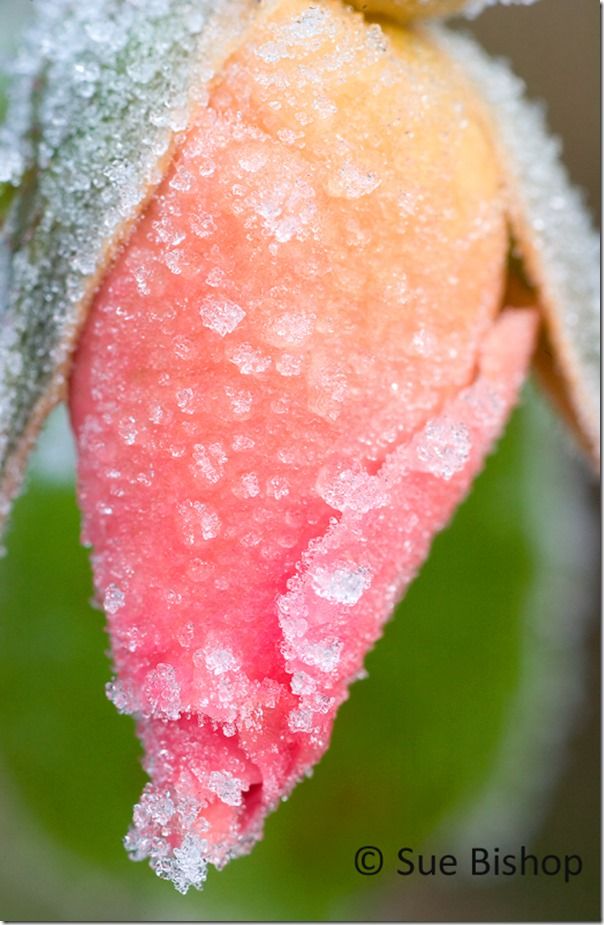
column 478, row 723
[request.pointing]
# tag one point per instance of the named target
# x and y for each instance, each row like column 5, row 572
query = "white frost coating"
column 187, row 865
column 209, row 461
column 352, row 490
column 221, row 315
column 114, row 599
column 98, row 91
column 352, row 182
column 323, row 655
column 444, row 448
column 249, row 360
column 198, row 521
column 302, row 683
column 559, row 245
column 219, row 660
column 342, row 584
column 300, row 720
column 226, row 787
column 162, row 692
column 475, row 7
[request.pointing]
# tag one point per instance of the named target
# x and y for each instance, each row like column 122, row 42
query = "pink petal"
column 231, row 715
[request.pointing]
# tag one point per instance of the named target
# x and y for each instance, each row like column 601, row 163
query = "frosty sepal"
column 99, row 93
column 404, row 10
column 555, row 239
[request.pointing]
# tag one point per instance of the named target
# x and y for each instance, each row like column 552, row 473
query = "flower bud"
column 279, row 242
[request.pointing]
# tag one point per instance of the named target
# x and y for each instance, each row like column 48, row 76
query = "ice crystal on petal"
column 444, row 448
column 250, row 360
column 220, row 660
column 209, row 461
column 300, row 720
column 221, row 315
column 302, row 683
column 186, row 866
column 226, row 787
column 199, row 522
column 352, row 489
column 114, row 599
column 162, row 692
column 352, row 182
column 343, row 584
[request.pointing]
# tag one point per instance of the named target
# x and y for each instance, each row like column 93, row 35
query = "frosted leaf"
column 475, row 7
column 557, row 242
column 98, row 90
column 221, row 315
column 54, row 458
column 341, row 584
column 405, row 10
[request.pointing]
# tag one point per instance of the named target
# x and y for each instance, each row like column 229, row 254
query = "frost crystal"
column 343, row 584
column 199, row 522
column 220, row 660
column 162, row 692
column 98, row 92
column 226, row 787
column 221, row 315
column 445, row 448
column 475, row 7
column 114, row 599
